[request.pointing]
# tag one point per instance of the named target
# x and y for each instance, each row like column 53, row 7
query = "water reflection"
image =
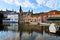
column 39, row 36
column 9, row 35
column 50, row 36
column 11, row 26
column 25, row 35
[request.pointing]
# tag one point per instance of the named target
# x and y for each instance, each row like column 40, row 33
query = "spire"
column 32, row 11
column 20, row 10
column 29, row 11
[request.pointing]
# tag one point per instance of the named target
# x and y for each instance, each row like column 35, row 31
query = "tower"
column 20, row 10
column 20, row 14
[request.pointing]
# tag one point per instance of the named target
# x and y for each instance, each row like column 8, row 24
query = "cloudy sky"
column 35, row 5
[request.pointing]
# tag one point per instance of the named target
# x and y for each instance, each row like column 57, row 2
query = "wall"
column 13, row 17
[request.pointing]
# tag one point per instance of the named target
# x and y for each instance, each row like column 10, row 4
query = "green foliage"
column 1, row 17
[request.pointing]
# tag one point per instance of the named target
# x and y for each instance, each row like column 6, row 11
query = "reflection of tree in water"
column 1, row 18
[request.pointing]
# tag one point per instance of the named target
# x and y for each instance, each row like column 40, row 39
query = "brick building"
column 53, row 15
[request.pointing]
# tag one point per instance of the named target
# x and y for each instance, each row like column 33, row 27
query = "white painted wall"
column 13, row 17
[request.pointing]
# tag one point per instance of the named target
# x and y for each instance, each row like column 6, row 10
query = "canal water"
column 12, row 33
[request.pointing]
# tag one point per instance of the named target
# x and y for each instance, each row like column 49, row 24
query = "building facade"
column 53, row 14
column 29, row 16
column 10, row 16
column 37, row 17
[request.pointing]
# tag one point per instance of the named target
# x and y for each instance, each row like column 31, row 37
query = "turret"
column 29, row 11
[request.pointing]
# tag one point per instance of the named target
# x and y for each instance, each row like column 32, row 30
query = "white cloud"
column 28, row 4
column 40, row 1
column 53, row 4
column 24, row 3
column 50, row 3
column 8, row 1
column 16, row 2
column 2, row 9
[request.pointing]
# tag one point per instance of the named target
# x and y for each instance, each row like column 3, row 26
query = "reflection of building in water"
column 11, row 26
column 9, row 35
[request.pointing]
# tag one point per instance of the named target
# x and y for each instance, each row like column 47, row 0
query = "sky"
column 35, row 5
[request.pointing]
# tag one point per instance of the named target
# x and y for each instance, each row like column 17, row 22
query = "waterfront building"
column 29, row 16
column 10, row 16
column 52, row 15
column 38, row 17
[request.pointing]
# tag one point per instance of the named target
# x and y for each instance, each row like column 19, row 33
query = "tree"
column 1, row 18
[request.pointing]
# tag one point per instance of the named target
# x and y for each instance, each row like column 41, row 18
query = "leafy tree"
column 1, row 18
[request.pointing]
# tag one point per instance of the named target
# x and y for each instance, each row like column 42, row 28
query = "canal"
column 13, row 31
